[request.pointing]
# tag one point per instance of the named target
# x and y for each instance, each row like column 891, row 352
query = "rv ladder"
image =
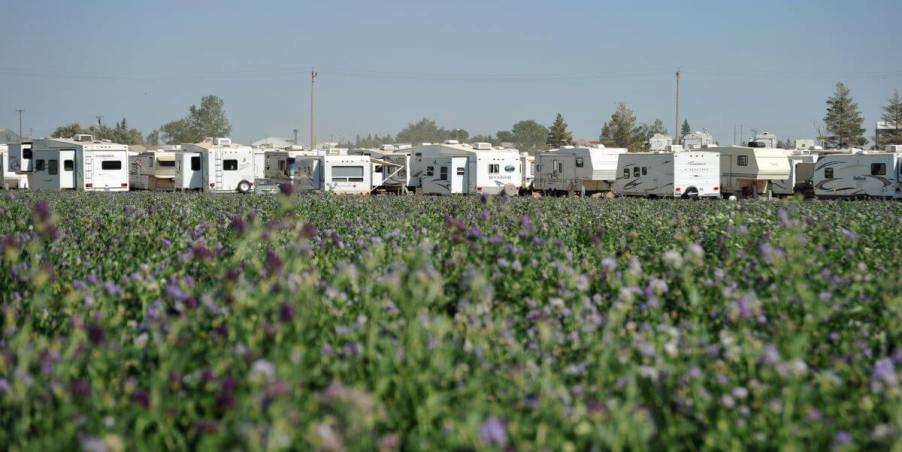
column 218, row 171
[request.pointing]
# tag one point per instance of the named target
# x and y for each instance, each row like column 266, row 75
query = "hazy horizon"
column 475, row 65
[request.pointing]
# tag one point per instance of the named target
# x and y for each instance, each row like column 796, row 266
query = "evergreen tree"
column 685, row 129
column 657, row 127
column 558, row 133
column 845, row 123
column 892, row 114
column 622, row 130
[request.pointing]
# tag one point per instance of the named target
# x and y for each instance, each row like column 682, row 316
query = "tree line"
column 843, row 119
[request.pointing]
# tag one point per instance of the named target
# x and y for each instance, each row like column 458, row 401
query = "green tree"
column 482, row 139
column 558, row 133
column 506, row 136
column 529, row 135
column 120, row 133
column 622, row 130
column 685, row 129
column 657, row 127
column 845, row 124
column 892, row 113
column 208, row 120
column 153, row 138
column 68, row 130
column 423, row 131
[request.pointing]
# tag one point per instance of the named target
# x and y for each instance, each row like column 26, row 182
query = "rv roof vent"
column 83, row 137
column 894, row 147
column 483, row 145
column 222, row 141
column 452, row 142
column 388, row 147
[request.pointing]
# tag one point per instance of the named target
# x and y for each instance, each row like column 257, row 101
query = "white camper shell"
column 11, row 179
column 341, row 174
column 81, row 163
column 689, row 174
column 577, row 169
column 20, row 157
column 222, row 167
column 459, row 169
column 154, row 170
column 747, row 171
column 859, row 175
column 801, row 172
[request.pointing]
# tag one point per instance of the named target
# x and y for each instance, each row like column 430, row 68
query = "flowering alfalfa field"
column 192, row 321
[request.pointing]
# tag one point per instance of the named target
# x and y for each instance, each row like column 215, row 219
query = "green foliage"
column 558, row 134
column 426, row 131
column 120, row 133
column 194, row 322
column 892, row 113
column 505, row 136
column 529, row 135
column 845, row 124
column 685, row 129
column 373, row 141
column 622, row 130
column 208, row 120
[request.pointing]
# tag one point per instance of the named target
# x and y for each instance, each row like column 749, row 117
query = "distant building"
column 698, row 140
column 8, row 136
column 659, row 142
column 274, row 143
column 805, row 145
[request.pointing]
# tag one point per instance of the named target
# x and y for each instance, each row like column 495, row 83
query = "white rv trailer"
column 747, row 171
column 577, row 169
column 342, row 174
column 391, row 168
column 10, row 178
column 81, row 163
column 528, row 169
column 454, row 168
column 20, row 157
column 801, row 171
column 688, row 174
column 862, row 174
column 152, row 170
column 223, row 167
column 260, row 162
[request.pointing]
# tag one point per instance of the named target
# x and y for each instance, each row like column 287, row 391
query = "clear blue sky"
column 479, row 65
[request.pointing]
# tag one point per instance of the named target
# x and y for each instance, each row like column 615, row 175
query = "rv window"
column 281, row 164
column 347, row 174
column 377, row 168
column 460, row 171
column 494, row 168
column 878, row 169
column 644, row 170
column 443, row 173
column 111, row 165
column 53, row 167
column 579, row 162
column 539, row 168
column 626, row 173
column 39, row 165
column 167, row 163
column 430, row 171
column 230, row 165
column 560, row 167
column 636, row 171
column 68, row 165
column 742, row 160
column 828, row 173
column 195, row 163
column 26, row 153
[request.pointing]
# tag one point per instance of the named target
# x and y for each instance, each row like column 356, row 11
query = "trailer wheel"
column 690, row 193
column 244, row 186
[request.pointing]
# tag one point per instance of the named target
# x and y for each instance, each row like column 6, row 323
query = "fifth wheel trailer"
column 859, row 175
column 342, row 174
column 154, row 170
column 454, row 168
column 801, row 171
column 10, row 178
column 748, row 171
column 81, row 163
column 687, row 174
column 577, row 169
column 20, row 157
column 215, row 165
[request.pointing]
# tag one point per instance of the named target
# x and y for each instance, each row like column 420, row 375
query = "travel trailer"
column 221, row 167
column 20, row 157
column 81, row 163
column 391, row 168
column 688, row 174
column 659, row 142
column 747, row 171
column 153, row 170
column 528, row 169
column 801, row 171
column 342, row 174
column 697, row 140
column 454, row 168
column 577, row 169
column 10, row 178
column 859, row 175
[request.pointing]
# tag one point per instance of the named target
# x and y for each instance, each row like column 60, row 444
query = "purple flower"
column 842, row 437
column 742, row 304
column 176, row 293
column 286, row 188
column 286, row 312
column 885, row 372
column 95, row 333
column 494, row 431
column 309, row 231
column 112, row 289
column 201, row 252
column 274, row 263
column 770, row 356
column 166, row 242
column 141, row 397
column 237, row 224
column 79, row 388
column 41, row 211
column 473, row 233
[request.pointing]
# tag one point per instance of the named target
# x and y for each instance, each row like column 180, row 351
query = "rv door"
column 459, row 175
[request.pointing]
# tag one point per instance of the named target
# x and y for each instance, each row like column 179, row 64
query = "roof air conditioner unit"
column 222, row 141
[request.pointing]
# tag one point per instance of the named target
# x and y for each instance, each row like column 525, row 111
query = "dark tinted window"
column 53, row 167
column 742, row 160
column 230, row 165
column 195, row 163
column 626, row 173
column 167, row 163
column 644, row 170
column 26, row 153
column 828, row 173
column 68, row 165
column 111, row 165
column 39, row 165
column 443, row 173
column 430, row 171
column 636, row 172
column 460, row 171
column 878, row 169
column 579, row 162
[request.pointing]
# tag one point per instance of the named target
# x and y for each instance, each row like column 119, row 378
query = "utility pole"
column 295, row 131
column 20, row 111
column 99, row 119
column 312, row 109
column 676, row 124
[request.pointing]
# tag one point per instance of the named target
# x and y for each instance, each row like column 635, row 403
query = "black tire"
column 244, row 186
column 690, row 193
